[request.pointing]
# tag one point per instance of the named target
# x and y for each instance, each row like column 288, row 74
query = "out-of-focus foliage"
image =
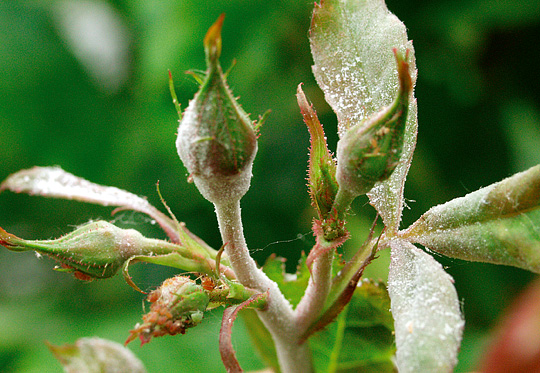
column 84, row 86
column 366, row 324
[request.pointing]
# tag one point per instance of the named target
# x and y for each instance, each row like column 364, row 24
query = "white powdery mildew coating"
column 503, row 199
column 351, row 43
column 496, row 224
column 387, row 196
column 513, row 241
column 57, row 183
column 95, row 353
column 428, row 322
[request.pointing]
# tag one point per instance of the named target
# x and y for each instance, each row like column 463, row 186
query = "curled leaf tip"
column 212, row 40
column 228, row 355
column 12, row 242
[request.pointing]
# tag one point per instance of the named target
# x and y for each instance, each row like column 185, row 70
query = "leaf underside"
column 97, row 355
column 56, row 183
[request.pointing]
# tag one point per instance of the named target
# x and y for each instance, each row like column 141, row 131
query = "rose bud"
column 369, row 151
column 217, row 141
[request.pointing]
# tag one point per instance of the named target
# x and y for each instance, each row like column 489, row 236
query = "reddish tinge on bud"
column 217, row 141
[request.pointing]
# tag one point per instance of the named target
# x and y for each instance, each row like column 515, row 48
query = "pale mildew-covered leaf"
column 57, row 183
column 497, row 224
column 426, row 310
column 352, row 43
column 97, row 355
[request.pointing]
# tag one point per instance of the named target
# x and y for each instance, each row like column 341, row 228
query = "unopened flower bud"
column 179, row 303
column 217, row 141
column 369, row 151
column 95, row 250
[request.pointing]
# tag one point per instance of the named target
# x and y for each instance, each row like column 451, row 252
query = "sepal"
column 322, row 167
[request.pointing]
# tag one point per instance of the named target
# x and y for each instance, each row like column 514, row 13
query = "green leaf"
column 496, row 224
column 428, row 322
column 361, row 339
column 291, row 285
column 351, row 43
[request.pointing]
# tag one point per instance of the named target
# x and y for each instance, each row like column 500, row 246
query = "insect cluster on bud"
column 179, row 303
column 369, row 151
column 217, row 141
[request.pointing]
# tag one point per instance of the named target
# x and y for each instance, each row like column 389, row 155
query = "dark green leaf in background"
column 292, row 285
column 361, row 339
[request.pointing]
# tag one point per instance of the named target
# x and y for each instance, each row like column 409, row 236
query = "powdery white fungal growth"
column 56, row 183
column 496, row 224
column 352, row 43
column 426, row 310
column 97, row 355
column 217, row 141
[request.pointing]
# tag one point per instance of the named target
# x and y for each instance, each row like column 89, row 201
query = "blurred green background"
column 84, row 86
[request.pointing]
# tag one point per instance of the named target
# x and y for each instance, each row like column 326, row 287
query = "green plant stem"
column 279, row 317
column 312, row 304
